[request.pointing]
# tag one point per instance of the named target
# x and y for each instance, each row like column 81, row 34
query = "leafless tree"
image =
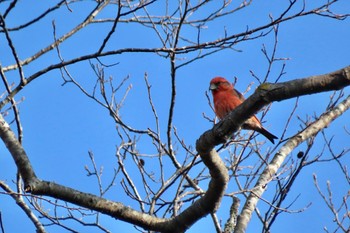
column 85, row 37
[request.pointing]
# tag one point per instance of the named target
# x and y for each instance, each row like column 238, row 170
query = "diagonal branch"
column 280, row 156
column 87, row 21
column 20, row 202
column 211, row 200
column 265, row 94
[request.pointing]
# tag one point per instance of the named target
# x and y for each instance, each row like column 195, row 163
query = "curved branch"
column 36, row 19
column 208, row 203
column 265, row 94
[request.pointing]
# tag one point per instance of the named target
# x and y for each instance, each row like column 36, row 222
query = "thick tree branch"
column 19, row 155
column 205, row 144
column 267, row 93
column 174, row 26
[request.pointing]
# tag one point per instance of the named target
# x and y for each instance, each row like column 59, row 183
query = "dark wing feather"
column 239, row 94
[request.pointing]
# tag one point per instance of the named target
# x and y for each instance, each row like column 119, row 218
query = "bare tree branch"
column 272, row 168
column 170, row 194
column 20, row 202
column 219, row 177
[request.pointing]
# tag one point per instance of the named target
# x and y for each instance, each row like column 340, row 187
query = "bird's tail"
column 267, row 134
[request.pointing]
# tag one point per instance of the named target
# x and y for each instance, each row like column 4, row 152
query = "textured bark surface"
column 211, row 200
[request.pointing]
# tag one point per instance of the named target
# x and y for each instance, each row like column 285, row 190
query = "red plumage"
column 226, row 98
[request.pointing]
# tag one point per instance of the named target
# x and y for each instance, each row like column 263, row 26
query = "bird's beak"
column 213, row 87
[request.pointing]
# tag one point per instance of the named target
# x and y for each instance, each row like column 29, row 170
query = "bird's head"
column 220, row 84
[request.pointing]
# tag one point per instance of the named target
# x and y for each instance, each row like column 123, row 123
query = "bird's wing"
column 239, row 94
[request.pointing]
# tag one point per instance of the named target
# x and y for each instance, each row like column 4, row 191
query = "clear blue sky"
column 61, row 124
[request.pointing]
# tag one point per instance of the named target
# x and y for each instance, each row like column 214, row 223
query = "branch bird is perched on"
column 226, row 98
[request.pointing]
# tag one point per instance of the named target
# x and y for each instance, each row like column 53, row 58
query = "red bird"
column 226, row 98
